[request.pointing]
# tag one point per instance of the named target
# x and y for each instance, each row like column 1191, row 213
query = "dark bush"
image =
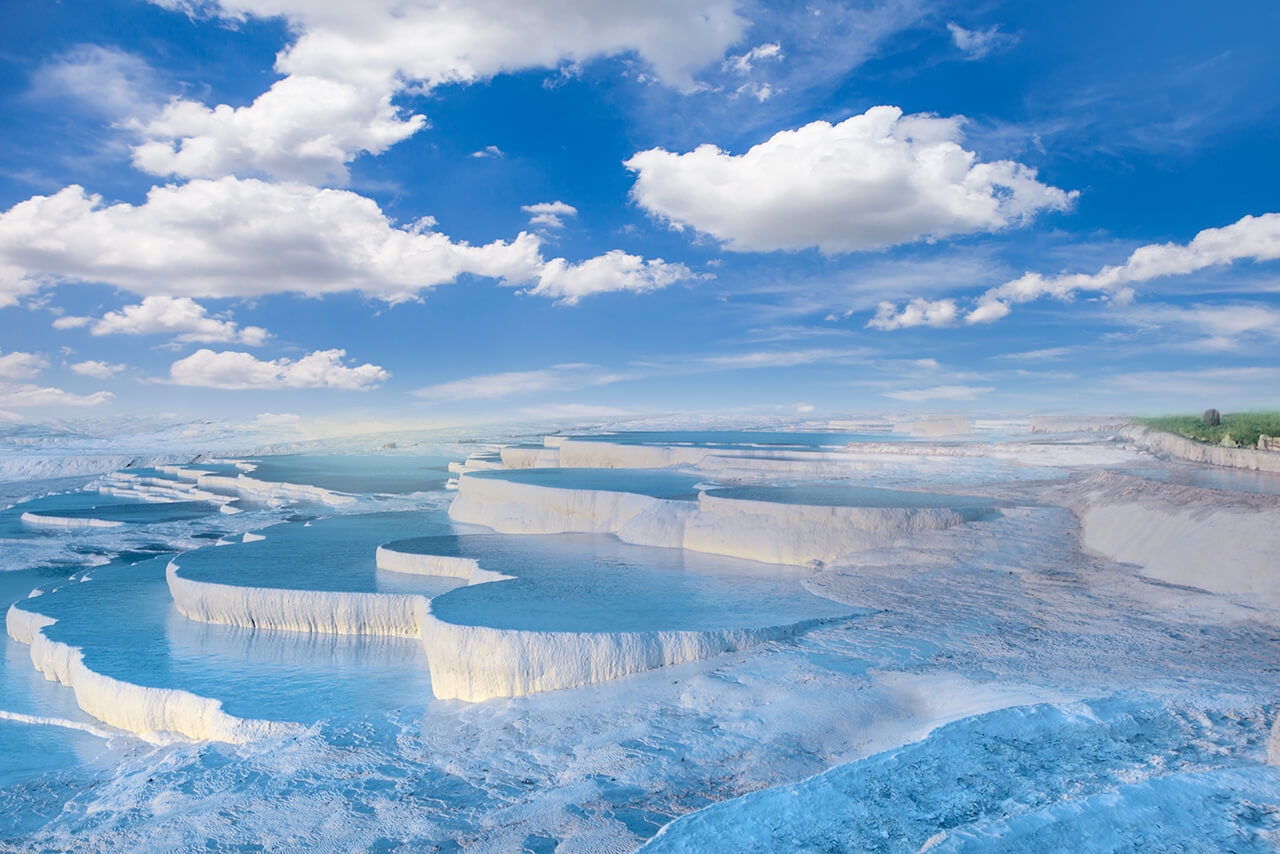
column 1211, row 418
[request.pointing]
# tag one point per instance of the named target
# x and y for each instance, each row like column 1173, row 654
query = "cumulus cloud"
column 21, row 366
column 489, row 151
column 1248, row 239
column 977, row 44
column 244, row 238
column 918, row 312
column 549, row 214
column 248, row 238
column 180, row 316
column 940, row 392
column 303, row 128
column 350, row 60
column 614, row 271
column 97, row 369
column 22, row 395
column 875, row 180
column 234, row 370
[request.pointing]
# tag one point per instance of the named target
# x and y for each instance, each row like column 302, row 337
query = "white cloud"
column 574, row 411
column 744, row 63
column 303, row 128
column 112, row 82
column 760, row 91
column 777, row 358
column 22, row 366
column 244, row 238
column 28, row 394
column 97, row 369
column 518, row 383
column 613, row 271
column 489, row 151
column 1045, row 354
column 1217, row 327
column 918, row 312
column 180, row 316
column 979, row 43
column 234, row 370
column 940, row 392
column 1249, row 238
column 350, row 59
column 549, row 214
column 15, row 283
column 874, row 180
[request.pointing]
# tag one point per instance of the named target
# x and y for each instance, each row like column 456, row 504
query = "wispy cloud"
column 1251, row 238
column 567, row 377
column 940, row 392
column 96, row 369
column 977, row 44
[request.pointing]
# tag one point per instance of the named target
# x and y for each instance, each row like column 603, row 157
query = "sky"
column 432, row 212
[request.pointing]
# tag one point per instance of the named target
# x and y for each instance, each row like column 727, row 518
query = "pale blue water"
column 850, row 496
column 1210, row 477
column 656, row 483
column 336, row 553
column 594, row 583
column 126, row 625
column 720, row 439
column 93, row 505
column 394, row 472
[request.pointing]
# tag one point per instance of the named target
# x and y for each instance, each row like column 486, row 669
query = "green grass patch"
column 1242, row 428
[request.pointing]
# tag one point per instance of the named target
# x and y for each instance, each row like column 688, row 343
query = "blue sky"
column 399, row 210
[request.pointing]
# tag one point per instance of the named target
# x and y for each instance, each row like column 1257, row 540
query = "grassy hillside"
column 1242, row 427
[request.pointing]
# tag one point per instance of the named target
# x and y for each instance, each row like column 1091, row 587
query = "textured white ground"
column 1091, row 670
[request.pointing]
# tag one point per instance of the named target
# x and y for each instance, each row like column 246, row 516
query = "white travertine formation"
column 799, row 534
column 530, row 458
column 396, row 614
column 153, row 713
column 1224, row 542
column 792, row 534
column 156, row 489
column 475, row 663
column 263, row 490
column 39, row 520
column 1198, row 452
column 520, row 508
column 578, row 453
column 409, row 563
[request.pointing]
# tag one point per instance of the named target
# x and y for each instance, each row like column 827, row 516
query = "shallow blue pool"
column 850, row 496
column 336, row 553
column 720, row 439
column 656, row 483
column 128, row 628
column 595, row 583
column 391, row 472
